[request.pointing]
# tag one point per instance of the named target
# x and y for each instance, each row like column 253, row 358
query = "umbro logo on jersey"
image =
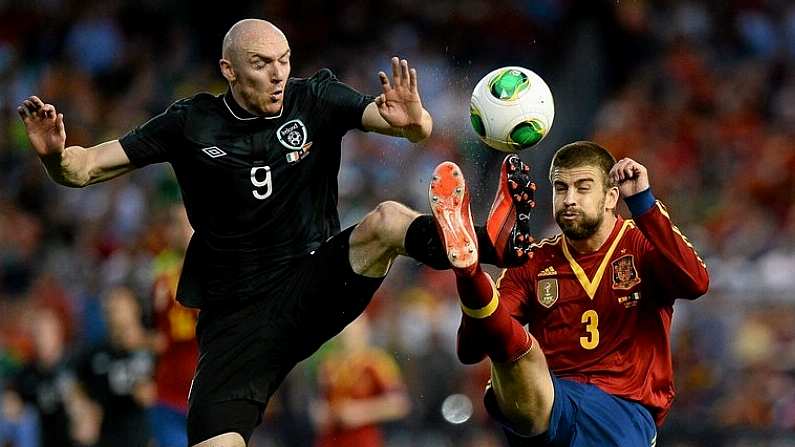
column 549, row 271
column 214, row 151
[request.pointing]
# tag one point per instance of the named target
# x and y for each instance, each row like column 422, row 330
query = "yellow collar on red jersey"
column 589, row 285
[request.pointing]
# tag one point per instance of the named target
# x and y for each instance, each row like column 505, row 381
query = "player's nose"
column 278, row 75
column 569, row 199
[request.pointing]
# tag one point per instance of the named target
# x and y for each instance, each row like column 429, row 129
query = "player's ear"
column 611, row 197
column 226, row 70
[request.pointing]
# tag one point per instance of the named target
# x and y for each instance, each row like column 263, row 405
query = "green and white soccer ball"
column 511, row 109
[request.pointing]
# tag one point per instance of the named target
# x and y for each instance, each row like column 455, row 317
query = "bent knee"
column 387, row 223
column 389, row 211
column 525, row 393
column 529, row 420
column 224, row 440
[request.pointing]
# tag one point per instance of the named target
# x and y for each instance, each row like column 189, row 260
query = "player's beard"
column 584, row 226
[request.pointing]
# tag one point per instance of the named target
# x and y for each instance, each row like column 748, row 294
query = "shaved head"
column 247, row 31
column 255, row 60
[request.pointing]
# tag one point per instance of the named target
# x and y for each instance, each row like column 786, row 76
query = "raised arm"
column 398, row 110
column 672, row 256
column 72, row 166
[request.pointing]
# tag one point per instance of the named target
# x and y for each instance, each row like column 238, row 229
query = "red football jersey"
column 356, row 376
column 604, row 318
column 175, row 365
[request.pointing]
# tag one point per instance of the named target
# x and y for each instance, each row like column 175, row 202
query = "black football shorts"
column 245, row 351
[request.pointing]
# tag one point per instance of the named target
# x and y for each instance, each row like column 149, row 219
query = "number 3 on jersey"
column 266, row 182
column 591, row 320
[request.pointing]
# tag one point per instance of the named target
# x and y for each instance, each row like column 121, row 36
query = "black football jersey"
column 109, row 376
column 48, row 388
column 259, row 191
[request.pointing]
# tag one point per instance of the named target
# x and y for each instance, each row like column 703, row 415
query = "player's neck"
column 242, row 104
column 595, row 242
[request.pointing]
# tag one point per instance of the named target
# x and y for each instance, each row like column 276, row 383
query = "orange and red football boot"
column 449, row 198
column 508, row 224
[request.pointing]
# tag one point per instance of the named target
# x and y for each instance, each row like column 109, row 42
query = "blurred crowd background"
column 701, row 92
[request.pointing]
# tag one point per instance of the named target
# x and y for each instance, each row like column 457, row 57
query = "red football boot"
column 449, row 197
column 508, row 224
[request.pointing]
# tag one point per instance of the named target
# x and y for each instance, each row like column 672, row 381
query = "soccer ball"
column 511, row 109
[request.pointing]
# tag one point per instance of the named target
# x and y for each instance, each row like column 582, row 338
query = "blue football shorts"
column 584, row 416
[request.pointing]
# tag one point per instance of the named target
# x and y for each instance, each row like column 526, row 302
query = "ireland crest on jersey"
column 293, row 136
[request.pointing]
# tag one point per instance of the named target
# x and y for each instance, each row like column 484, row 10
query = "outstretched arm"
column 398, row 110
column 73, row 166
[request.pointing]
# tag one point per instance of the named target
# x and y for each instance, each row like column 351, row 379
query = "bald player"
column 268, row 266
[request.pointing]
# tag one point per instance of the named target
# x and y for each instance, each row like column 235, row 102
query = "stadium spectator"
column 361, row 388
column 115, row 378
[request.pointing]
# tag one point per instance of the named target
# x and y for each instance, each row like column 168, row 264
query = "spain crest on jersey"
column 547, row 291
column 625, row 275
column 293, row 136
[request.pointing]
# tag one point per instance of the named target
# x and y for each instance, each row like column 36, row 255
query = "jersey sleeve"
column 668, row 254
column 386, row 372
column 343, row 104
column 515, row 288
column 156, row 140
column 88, row 380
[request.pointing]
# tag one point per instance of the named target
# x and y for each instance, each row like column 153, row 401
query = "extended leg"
column 520, row 377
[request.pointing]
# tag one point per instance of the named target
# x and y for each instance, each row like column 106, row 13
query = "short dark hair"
column 584, row 153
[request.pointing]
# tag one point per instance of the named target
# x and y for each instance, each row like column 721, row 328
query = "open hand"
column 44, row 126
column 400, row 104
